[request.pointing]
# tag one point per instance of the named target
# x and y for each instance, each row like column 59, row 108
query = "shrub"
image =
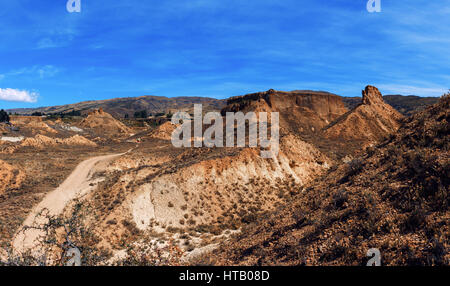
column 4, row 117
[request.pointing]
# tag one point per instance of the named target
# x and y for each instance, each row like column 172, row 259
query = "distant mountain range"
column 119, row 107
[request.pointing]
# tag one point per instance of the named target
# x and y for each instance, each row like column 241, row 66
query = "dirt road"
column 76, row 185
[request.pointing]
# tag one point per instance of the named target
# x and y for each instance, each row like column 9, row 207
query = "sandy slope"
column 76, row 185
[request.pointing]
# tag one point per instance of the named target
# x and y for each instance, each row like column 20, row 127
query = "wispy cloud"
column 56, row 38
column 9, row 94
column 40, row 71
column 47, row 43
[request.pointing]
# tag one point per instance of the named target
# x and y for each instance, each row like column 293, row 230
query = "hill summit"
column 372, row 120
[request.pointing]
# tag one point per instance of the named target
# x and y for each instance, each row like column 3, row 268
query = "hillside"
column 394, row 198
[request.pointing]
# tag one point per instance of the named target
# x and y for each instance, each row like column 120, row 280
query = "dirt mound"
column 164, row 131
column 104, row 123
column 41, row 141
column 42, row 126
column 10, row 177
column 78, row 140
column 394, row 198
column 34, row 124
column 372, row 120
column 17, row 119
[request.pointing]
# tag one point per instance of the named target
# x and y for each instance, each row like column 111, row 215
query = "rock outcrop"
column 371, row 121
column 103, row 123
column 304, row 112
column 371, row 95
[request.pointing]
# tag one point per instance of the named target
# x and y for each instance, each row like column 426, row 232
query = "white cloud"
column 10, row 94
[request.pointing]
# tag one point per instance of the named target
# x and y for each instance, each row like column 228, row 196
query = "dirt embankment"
column 41, row 142
column 164, row 131
column 103, row 123
column 10, row 177
column 32, row 124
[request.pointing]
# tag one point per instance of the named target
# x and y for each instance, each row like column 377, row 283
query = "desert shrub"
column 249, row 218
column 334, row 253
column 111, row 222
column 430, row 176
column 339, row 199
column 59, row 235
column 141, row 114
column 172, row 229
column 413, row 221
column 353, row 168
column 370, row 151
column 4, row 117
column 169, row 255
column 436, row 253
column 203, row 228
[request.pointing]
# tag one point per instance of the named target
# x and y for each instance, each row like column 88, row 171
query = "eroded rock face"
column 326, row 105
column 369, row 122
column 301, row 111
column 371, row 95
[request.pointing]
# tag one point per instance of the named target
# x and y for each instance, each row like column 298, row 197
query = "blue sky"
column 219, row 48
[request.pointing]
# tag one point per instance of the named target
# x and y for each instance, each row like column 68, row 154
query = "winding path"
column 76, row 185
